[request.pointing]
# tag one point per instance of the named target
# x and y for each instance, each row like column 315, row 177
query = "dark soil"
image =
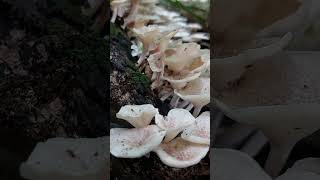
column 53, row 77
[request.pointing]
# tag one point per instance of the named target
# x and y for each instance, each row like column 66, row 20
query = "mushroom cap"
column 155, row 62
column 114, row 3
column 199, row 65
column 199, row 132
column 205, row 56
column 136, row 142
column 179, row 153
column 196, row 91
column 179, row 81
column 137, row 115
column 176, row 120
column 147, row 34
column 68, row 159
column 230, row 164
column 183, row 57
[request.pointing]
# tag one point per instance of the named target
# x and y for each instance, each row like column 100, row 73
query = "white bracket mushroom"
column 199, row 132
column 179, row 153
column 136, row 142
column 197, row 92
column 137, row 115
column 174, row 122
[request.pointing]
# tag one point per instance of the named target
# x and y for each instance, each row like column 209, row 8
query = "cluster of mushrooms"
column 161, row 137
column 273, row 87
column 179, row 69
column 168, row 52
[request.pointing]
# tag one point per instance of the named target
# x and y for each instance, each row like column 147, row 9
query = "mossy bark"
column 53, row 77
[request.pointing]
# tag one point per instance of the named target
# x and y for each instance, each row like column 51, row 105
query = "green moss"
column 141, row 80
column 115, row 30
column 86, row 48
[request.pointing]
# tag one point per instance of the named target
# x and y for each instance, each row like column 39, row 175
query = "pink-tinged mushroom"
column 183, row 57
column 137, row 115
column 152, row 38
column 174, row 122
column 180, row 153
column 199, row 132
column 197, row 92
column 155, row 62
column 119, row 8
column 147, row 35
column 179, row 80
column 136, row 142
column 134, row 7
column 68, row 159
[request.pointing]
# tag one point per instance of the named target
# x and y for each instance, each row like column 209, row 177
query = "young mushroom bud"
column 197, row 92
column 180, row 153
column 136, row 142
column 174, row 122
column 67, row 158
column 199, row 132
column 137, row 115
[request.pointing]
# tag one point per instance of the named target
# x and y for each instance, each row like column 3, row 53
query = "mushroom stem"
column 174, row 101
column 277, row 158
column 196, row 110
column 142, row 58
column 189, row 107
column 114, row 15
column 183, row 104
column 166, row 96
